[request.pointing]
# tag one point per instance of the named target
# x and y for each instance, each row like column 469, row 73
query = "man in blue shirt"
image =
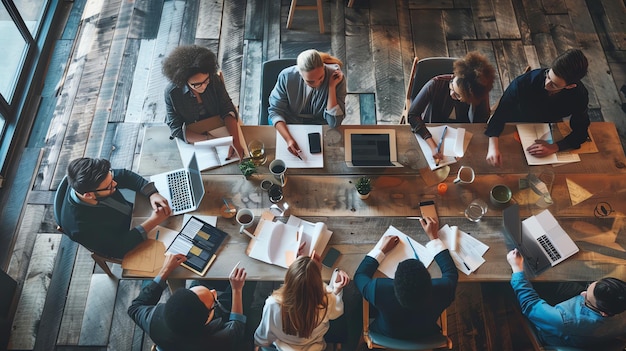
column 544, row 95
column 589, row 319
column 188, row 320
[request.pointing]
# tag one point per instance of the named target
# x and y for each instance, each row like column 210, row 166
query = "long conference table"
column 327, row 194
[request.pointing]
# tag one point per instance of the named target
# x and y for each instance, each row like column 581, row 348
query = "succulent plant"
column 363, row 185
column 247, row 168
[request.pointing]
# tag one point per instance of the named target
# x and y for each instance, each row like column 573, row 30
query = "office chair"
column 376, row 340
column 421, row 72
column 269, row 74
column 101, row 260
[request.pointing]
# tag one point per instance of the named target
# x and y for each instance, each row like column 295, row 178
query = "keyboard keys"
column 550, row 249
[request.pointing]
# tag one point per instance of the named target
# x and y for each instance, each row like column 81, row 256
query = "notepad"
column 529, row 132
column 455, row 144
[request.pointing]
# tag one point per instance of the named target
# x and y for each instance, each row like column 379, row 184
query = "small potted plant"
column 247, row 168
column 363, row 187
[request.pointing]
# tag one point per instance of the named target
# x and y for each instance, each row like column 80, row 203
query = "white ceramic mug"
column 245, row 218
column 465, row 175
column 278, row 169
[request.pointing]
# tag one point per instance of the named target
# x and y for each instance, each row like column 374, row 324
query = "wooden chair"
column 421, row 72
column 269, row 74
column 101, row 260
column 376, row 340
column 318, row 7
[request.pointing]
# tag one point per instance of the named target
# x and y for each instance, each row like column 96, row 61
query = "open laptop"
column 371, row 148
column 183, row 188
column 540, row 238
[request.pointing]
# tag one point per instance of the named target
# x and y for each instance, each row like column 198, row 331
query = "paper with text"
column 468, row 251
column 300, row 133
column 209, row 153
column 401, row 252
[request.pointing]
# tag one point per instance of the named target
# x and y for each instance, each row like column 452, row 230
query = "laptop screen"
column 370, row 149
column 512, row 224
column 197, row 187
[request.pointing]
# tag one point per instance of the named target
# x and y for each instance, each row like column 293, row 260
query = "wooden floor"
column 104, row 87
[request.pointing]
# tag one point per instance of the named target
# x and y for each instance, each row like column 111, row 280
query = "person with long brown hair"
column 296, row 316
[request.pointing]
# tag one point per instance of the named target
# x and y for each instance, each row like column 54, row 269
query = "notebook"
column 183, row 188
column 540, row 238
column 371, row 148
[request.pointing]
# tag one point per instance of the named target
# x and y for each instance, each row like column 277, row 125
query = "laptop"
column 374, row 148
column 540, row 239
column 183, row 188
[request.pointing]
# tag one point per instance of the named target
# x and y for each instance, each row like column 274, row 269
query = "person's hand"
column 542, row 148
column 438, row 156
column 238, row 278
column 159, row 215
column 389, row 242
column 160, row 204
column 171, row 263
column 431, row 227
column 301, row 249
column 293, row 147
column 234, row 152
column 342, row 279
column 516, row 260
column 494, row 157
column 335, row 78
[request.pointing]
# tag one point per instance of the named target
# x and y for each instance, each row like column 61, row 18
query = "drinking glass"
column 257, row 152
column 476, row 210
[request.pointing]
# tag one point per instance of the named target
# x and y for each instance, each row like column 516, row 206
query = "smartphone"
column 315, row 143
column 428, row 209
column 331, row 257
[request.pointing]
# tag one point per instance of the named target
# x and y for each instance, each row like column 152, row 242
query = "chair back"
column 427, row 68
column 269, row 75
column 59, row 197
column 377, row 340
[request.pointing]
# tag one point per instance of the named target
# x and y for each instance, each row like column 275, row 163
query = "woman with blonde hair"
column 296, row 316
column 311, row 92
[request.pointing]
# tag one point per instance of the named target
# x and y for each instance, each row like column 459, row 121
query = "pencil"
column 157, row 234
column 414, row 252
column 443, row 135
column 233, row 271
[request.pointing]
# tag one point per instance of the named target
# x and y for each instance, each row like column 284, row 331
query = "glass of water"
column 257, row 152
column 476, row 210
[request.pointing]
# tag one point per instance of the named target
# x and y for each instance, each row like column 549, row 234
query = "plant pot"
column 363, row 196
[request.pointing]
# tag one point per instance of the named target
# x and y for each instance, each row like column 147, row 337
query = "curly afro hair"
column 475, row 76
column 185, row 61
column 411, row 284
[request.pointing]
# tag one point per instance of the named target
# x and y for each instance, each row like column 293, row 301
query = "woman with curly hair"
column 461, row 97
column 297, row 315
column 196, row 92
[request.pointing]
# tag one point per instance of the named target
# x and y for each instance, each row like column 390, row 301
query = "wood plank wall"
column 103, row 95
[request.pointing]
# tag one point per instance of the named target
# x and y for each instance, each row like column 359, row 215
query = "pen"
column 466, row 266
column 298, row 155
column 233, row 271
column 227, row 206
column 157, row 234
column 418, row 218
column 443, row 135
column 414, row 252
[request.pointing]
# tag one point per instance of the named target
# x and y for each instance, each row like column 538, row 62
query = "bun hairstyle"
column 475, row 76
column 311, row 59
column 186, row 61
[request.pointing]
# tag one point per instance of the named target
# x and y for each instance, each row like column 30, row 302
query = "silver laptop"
column 539, row 238
column 373, row 148
column 183, row 188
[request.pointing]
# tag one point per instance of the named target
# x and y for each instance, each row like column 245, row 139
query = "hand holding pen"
column 439, row 156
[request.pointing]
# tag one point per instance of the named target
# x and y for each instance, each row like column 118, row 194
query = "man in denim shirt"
column 591, row 318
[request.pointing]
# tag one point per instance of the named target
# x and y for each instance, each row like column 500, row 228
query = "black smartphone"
column 331, row 257
column 315, row 143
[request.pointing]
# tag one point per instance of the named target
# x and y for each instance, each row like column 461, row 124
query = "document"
column 300, row 133
column 277, row 243
column 466, row 251
column 403, row 251
column 529, row 132
column 455, row 143
column 209, row 153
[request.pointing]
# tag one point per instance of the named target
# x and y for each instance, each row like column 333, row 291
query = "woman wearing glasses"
column 461, row 97
column 196, row 92
column 297, row 315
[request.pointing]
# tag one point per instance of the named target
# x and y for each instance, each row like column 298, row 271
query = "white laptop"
column 541, row 240
column 183, row 188
column 373, row 148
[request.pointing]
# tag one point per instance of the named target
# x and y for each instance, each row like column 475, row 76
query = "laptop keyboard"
column 550, row 249
column 178, row 182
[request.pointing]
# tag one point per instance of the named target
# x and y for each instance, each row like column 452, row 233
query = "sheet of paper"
column 436, row 132
column 401, row 252
column 209, row 153
column 300, row 133
column 529, row 132
column 468, row 252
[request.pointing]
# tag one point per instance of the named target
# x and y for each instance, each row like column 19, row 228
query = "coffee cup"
column 266, row 184
column 245, row 218
column 465, row 175
column 275, row 193
column 500, row 195
column 278, row 169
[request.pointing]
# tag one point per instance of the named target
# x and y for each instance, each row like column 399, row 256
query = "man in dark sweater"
column 97, row 216
column 545, row 95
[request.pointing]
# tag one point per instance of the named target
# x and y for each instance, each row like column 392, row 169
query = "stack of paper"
column 454, row 144
column 209, row 153
column 403, row 251
column 466, row 251
column 300, row 133
column 530, row 132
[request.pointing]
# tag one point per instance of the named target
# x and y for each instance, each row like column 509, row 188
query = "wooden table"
column 328, row 195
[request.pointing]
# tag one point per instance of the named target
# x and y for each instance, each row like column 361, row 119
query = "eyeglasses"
column 589, row 305
column 550, row 83
column 200, row 84
column 109, row 187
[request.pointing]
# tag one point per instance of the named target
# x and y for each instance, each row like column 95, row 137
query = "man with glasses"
column 545, row 95
column 582, row 318
column 191, row 319
column 97, row 216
